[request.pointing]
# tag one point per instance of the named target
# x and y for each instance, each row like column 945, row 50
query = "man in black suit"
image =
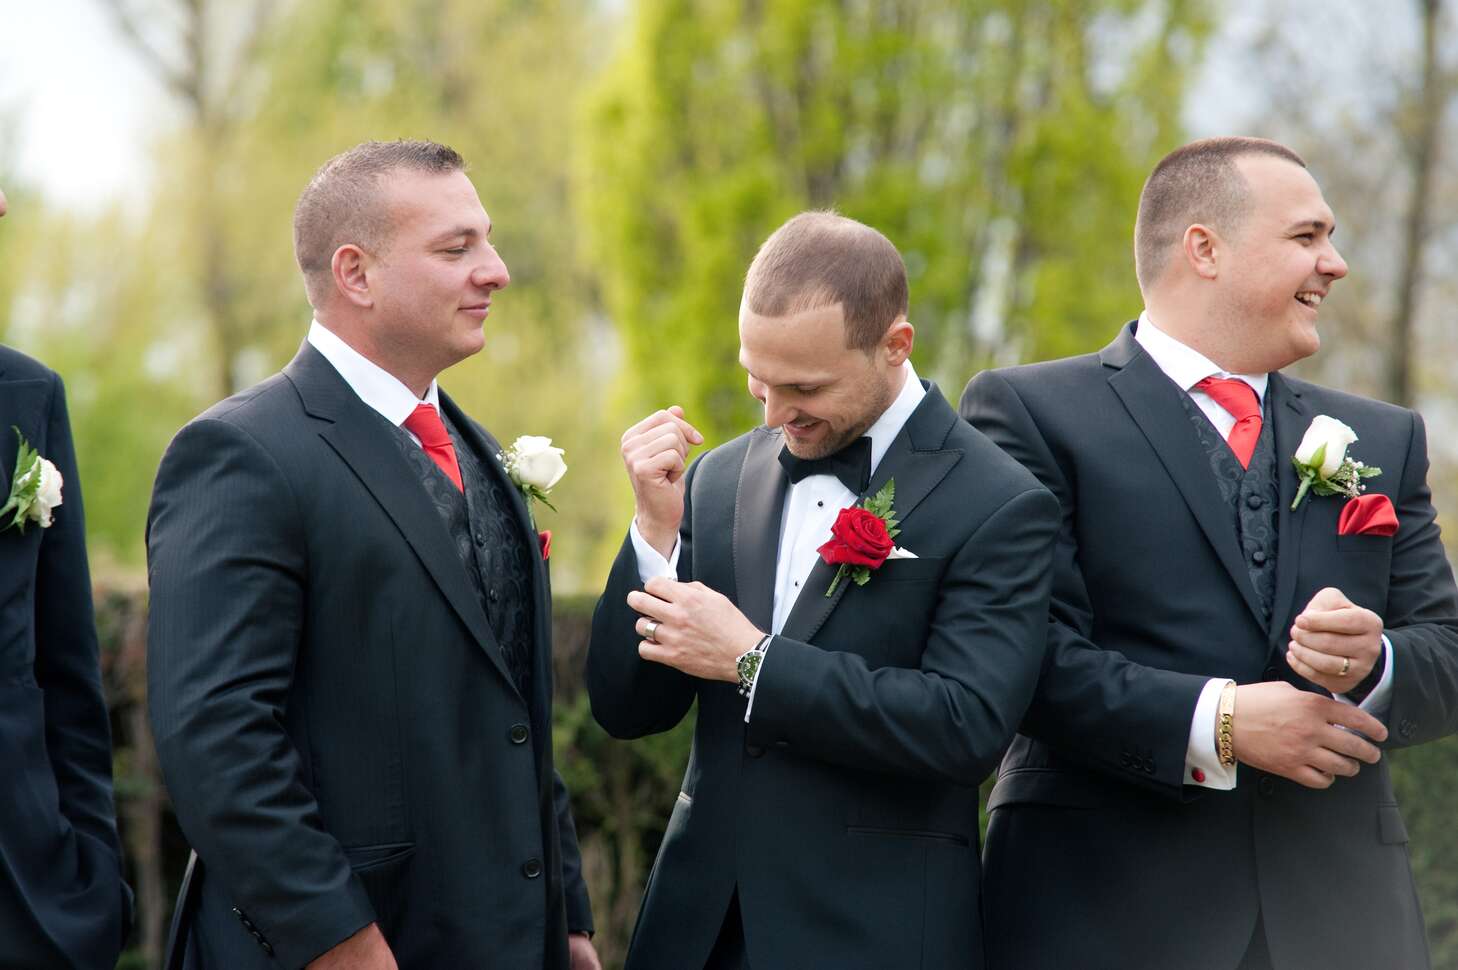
column 1196, row 784
column 828, row 817
column 62, row 899
column 349, row 665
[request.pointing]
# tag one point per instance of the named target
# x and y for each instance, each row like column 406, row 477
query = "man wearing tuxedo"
column 349, row 667
column 1197, row 783
column 62, row 899
column 828, row 816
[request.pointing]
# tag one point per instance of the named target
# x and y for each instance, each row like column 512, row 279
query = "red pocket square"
column 1368, row 515
column 544, row 539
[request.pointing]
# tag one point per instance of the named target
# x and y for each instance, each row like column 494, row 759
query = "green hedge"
column 622, row 793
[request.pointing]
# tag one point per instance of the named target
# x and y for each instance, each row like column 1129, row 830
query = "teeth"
column 1312, row 300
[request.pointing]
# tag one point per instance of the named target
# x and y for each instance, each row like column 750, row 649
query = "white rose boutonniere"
column 34, row 492
column 1323, row 464
column 535, row 466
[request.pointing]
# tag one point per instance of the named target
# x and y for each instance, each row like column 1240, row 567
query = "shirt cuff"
column 651, row 563
column 755, row 682
column 1377, row 702
column 1202, row 763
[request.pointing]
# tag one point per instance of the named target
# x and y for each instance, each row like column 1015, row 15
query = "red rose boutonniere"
column 861, row 539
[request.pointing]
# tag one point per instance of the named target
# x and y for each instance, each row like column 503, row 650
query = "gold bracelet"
column 1225, row 727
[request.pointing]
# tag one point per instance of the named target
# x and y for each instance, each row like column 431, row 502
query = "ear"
column 1202, row 247
column 350, row 268
column 897, row 343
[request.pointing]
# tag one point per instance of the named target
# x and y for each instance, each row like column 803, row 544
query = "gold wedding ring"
column 1346, row 666
column 651, row 628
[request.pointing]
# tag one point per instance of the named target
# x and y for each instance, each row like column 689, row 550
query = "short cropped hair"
column 819, row 259
column 1198, row 183
column 342, row 205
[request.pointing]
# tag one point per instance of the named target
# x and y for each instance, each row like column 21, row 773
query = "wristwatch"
column 748, row 665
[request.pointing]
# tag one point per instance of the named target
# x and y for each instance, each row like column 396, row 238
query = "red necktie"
column 426, row 425
column 1239, row 398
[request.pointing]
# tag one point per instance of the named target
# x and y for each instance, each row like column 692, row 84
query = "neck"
column 359, row 341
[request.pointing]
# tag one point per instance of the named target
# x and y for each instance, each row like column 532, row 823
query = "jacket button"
column 1406, row 728
column 532, row 868
column 1267, row 786
column 519, row 733
column 754, row 750
column 1258, row 557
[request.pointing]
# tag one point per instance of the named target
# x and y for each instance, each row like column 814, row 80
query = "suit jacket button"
column 754, row 750
column 519, row 733
column 1267, row 786
column 532, row 868
column 1258, row 557
column 1406, row 728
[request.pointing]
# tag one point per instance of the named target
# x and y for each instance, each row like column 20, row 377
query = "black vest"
column 490, row 543
column 1252, row 494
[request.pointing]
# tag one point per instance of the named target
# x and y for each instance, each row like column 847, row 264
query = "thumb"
column 1329, row 598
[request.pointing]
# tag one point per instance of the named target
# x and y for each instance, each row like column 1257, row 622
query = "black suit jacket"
column 335, row 721
column 1090, row 816
column 846, row 809
column 62, row 899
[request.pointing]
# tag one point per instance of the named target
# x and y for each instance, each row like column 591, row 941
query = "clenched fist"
column 655, row 452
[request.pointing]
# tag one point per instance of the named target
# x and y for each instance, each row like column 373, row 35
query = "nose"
column 491, row 274
column 776, row 410
column 1331, row 263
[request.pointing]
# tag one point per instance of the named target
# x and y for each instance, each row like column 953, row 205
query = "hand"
column 1300, row 735
column 584, row 955
column 699, row 631
column 1330, row 632
column 655, row 451
column 365, row 950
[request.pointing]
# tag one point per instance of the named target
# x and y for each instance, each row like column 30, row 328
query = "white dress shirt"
column 374, row 385
column 1187, row 367
column 811, row 506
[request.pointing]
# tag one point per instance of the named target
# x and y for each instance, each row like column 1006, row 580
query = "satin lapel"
column 1153, row 401
column 22, row 404
column 759, row 506
column 918, row 463
column 357, row 436
column 1290, row 414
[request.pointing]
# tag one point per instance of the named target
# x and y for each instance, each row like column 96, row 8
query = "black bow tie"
column 851, row 464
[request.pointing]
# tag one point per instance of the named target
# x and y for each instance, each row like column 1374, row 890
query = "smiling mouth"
column 1310, row 298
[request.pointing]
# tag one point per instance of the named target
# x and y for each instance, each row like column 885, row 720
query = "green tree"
column 1001, row 145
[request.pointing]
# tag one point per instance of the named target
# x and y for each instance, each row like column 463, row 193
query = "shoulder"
column 15, row 366
column 1321, row 399
column 1048, row 378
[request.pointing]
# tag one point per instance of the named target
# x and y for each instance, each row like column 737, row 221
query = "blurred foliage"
column 1000, row 145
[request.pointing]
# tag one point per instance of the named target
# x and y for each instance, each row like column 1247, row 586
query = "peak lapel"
column 1153, row 401
column 918, row 463
column 356, row 434
column 759, row 506
column 1291, row 416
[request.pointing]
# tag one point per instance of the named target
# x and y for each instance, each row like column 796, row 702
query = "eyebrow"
column 817, row 382
column 1317, row 224
column 459, row 231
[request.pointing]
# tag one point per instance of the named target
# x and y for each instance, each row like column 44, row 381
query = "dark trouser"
column 728, row 952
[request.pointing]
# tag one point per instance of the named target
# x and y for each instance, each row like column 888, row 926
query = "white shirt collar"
column 1182, row 363
column 894, row 418
column 373, row 384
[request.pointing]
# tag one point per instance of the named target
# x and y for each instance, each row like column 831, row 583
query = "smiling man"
column 349, row 664
column 1198, row 782
column 828, row 817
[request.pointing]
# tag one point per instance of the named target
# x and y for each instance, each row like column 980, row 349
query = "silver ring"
column 650, row 629
column 1346, row 666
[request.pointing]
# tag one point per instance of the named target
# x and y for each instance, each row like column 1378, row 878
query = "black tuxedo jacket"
column 336, row 724
column 1098, row 854
column 62, row 899
column 846, row 809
